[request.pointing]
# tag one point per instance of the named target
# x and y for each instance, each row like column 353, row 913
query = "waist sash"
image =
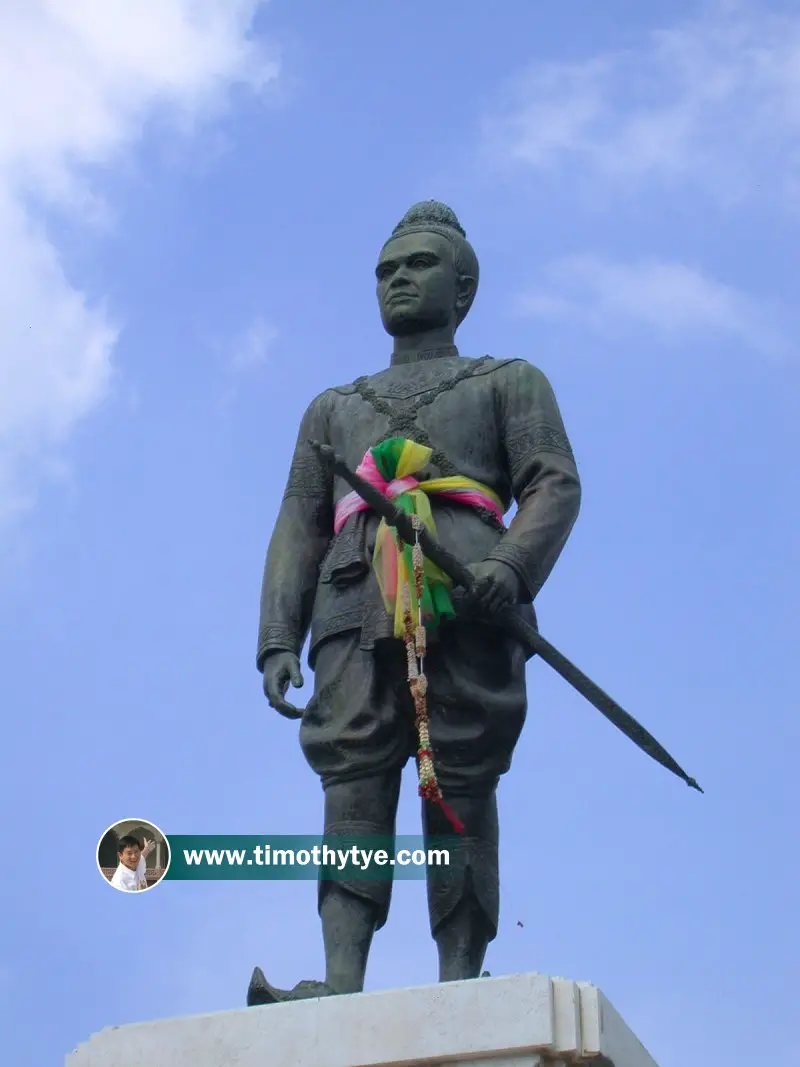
column 391, row 468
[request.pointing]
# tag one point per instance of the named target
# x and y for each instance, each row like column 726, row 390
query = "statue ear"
column 465, row 292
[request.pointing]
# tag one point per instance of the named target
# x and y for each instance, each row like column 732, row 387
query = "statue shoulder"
column 317, row 412
column 492, row 364
column 323, row 402
column 340, row 390
column 514, row 370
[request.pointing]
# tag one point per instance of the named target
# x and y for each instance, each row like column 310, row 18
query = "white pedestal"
column 524, row 1020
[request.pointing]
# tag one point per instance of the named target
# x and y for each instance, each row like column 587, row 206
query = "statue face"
column 417, row 284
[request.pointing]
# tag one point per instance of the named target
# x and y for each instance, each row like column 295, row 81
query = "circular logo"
column 133, row 855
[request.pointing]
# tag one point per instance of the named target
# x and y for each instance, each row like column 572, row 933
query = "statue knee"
column 362, row 805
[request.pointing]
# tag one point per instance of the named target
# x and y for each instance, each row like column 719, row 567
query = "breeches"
column 360, row 720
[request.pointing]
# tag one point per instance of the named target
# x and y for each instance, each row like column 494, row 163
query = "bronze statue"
column 491, row 433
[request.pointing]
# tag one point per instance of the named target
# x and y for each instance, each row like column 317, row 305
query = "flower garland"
column 416, row 644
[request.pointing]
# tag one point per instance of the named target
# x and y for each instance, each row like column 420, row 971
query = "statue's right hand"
column 281, row 668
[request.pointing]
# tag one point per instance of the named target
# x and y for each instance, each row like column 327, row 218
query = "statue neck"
column 434, row 344
column 420, row 355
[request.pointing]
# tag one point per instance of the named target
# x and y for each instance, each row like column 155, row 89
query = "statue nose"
column 400, row 288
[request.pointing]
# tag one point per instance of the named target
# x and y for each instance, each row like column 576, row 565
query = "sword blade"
column 461, row 575
column 607, row 706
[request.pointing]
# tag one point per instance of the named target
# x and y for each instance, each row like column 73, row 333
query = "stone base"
column 523, row 1020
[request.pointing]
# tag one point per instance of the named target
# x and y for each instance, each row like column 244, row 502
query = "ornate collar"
column 423, row 355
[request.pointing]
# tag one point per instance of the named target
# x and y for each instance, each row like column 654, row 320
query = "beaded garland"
column 416, row 644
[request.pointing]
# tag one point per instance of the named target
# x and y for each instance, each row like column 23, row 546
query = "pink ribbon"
column 353, row 503
column 368, row 470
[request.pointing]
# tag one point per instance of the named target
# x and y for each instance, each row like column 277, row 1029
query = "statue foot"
column 260, row 991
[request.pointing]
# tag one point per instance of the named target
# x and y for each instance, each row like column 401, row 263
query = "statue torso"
column 446, row 404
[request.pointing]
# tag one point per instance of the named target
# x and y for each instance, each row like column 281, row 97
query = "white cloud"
column 252, row 347
column 242, row 355
column 714, row 100
column 668, row 300
column 78, row 81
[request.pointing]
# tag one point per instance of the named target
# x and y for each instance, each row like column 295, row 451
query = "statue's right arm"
column 299, row 542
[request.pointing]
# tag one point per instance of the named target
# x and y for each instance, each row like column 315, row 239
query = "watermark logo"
column 254, row 858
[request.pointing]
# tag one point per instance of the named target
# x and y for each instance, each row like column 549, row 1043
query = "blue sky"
column 192, row 198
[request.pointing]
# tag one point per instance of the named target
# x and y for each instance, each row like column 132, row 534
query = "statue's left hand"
column 496, row 586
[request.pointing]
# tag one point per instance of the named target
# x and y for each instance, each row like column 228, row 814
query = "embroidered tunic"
column 493, row 421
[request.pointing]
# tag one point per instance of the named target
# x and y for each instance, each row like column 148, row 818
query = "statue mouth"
column 398, row 298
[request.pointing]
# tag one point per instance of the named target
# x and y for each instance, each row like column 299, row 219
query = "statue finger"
column 480, row 591
column 297, row 677
column 287, row 710
column 276, row 686
column 491, row 595
column 494, row 601
column 503, row 597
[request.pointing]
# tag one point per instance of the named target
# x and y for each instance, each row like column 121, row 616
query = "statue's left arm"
column 543, row 475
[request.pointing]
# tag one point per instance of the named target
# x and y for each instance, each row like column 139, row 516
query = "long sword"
column 460, row 575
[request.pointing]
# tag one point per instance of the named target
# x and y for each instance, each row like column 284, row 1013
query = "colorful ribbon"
column 390, row 467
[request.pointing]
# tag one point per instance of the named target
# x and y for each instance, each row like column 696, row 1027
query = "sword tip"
column 693, row 785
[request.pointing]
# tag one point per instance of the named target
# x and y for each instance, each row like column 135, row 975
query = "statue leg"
column 357, row 734
column 351, row 911
column 477, row 705
column 463, row 897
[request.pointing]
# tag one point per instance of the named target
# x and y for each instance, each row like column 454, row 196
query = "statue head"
column 427, row 272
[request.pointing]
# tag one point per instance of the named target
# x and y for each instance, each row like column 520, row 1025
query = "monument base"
column 523, row 1020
